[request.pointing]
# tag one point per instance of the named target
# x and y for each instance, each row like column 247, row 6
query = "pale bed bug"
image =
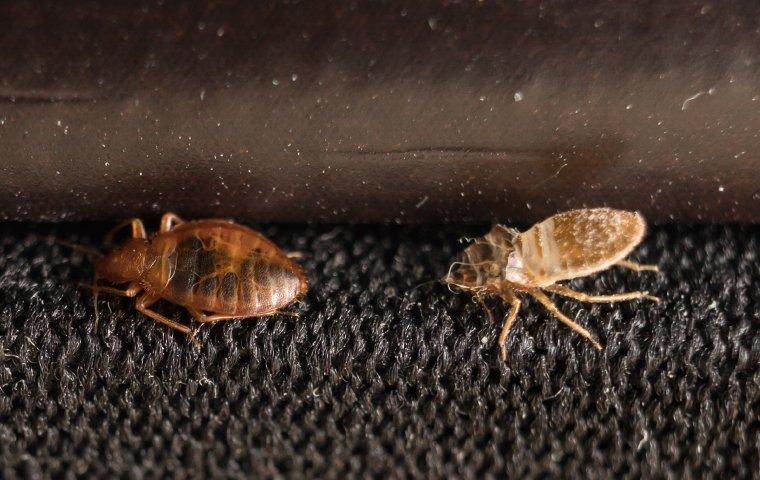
column 568, row 245
column 215, row 269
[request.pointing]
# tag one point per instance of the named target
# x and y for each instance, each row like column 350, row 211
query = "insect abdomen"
column 578, row 243
column 226, row 270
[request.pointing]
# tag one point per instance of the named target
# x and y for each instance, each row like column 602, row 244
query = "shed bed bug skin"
column 568, row 245
column 214, row 266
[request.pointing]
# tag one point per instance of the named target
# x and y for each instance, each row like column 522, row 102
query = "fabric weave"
column 377, row 378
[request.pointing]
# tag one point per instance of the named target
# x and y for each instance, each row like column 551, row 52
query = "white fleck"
column 721, row 189
column 482, row 98
column 705, row 9
column 203, row 94
column 598, row 23
column 421, row 202
column 695, row 96
column 294, row 77
column 220, row 32
column 518, row 96
column 275, row 82
column 629, row 106
column 107, row 164
column 432, row 23
column 484, row 340
column 556, row 174
column 643, row 440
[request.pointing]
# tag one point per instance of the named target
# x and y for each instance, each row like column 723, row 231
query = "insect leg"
column 637, row 267
column 138, row 229
column 508, row 326
column 203, row 318
column 132, row 290
column 142, row 304
column 169, row 220
column 583, row 297
column 479, row 297
column 538, row 295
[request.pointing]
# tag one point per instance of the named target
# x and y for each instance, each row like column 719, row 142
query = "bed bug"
column 505, row 262
column 215, row 269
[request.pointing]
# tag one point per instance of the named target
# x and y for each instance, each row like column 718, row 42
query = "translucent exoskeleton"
column 215, row 269
column 506, row 262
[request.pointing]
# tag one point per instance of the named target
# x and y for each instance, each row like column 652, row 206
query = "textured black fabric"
column 378, row 379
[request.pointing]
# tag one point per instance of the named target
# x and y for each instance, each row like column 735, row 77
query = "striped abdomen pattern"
column 223, row 268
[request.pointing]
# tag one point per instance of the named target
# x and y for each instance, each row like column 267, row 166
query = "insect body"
column 215, row 269
column 568, row 245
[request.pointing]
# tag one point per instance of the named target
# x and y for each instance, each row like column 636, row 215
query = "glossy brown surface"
column 221, row 267
column 401, row 111
column 215, row 269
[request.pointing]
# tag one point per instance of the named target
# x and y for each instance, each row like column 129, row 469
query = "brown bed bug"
column 215, row 269
column 506, row 262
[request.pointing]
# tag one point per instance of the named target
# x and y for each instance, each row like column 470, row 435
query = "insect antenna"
column 454, row 264
column 449, row 279
column 89, row 251
column 423, row 284
column 448, row 275
column 95, row 301
column 78, row 247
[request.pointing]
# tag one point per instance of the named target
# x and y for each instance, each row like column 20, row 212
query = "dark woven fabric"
column 377, row 379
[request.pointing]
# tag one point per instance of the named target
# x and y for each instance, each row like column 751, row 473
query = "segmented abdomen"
column 224, row 268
